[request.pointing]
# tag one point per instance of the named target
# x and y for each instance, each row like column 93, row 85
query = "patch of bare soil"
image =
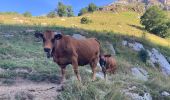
column 22, row 89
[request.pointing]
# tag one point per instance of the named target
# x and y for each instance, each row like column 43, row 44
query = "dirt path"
column 27, row 90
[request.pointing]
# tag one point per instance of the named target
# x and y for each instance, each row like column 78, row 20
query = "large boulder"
column 140, row 73
column 165, row 93
column 136, row 46
column 157, row 58
column 110, row 46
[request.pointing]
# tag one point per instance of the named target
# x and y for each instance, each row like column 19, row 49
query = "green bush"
column 51, row 14
column 143, row 54
column 85, row 20
column 83, row 11
column 27, row 14
column 92, row 7
column 64, row 10
column 156, row 21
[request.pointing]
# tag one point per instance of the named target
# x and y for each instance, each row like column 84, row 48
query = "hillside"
column 25, row 68
column 124, row 23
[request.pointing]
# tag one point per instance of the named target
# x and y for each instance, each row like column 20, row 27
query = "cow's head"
column 49, row 38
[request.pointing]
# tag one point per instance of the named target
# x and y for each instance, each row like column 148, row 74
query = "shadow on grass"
column 112, row 37
column 137, row 27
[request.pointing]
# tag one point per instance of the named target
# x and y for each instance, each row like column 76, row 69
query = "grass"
column 125, row 23
column 24, row 51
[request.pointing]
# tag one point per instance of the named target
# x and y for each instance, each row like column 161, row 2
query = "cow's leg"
column 93, row 65
column 63, row 71
column 75, row 67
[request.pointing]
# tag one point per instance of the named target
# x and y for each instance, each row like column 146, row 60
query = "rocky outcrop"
column 165, row 93
column 110, row 46
column 136, row 96
column 157, row 58
column 136, row 46
column 140, row 73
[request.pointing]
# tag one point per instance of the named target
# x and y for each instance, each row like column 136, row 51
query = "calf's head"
column 102, row 60
column 48, row 38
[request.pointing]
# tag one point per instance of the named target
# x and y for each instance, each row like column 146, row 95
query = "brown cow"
column 67, row 50
column 108, row 64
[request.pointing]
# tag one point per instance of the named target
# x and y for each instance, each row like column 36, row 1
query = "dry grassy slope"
column 125, row 23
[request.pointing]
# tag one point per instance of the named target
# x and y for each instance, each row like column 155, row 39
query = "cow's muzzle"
column 48, row 52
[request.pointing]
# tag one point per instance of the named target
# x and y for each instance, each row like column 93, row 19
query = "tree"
column 70, row 12
column 64, row 10
column 83, row 11
column 27, row 14
column 51, row 14
column 156, row 21
column 61, row 9
column 92, row 7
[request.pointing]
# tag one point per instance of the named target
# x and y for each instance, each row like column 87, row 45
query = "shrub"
column 156, row 21
column 85, row 20
column 83, row 11
column 143, row 54
column 64, row 10
column 51, row 14
column 27, row 14
column 92, row 7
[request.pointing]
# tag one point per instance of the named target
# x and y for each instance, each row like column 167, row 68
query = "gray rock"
column 135, row 96
column 111, row 48
column 124, row 43
column 78, row 36
column 140, row 73
column 29, row 30
column 22, row 70
column 136, row 46
column 98, row 74
column 2, row 70
column 8, row 35
column 157, row 57
column 165, row 93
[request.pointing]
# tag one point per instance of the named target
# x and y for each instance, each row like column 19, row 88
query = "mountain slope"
column 123, row 23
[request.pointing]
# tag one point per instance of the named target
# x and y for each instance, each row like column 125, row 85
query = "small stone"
column 124, row 43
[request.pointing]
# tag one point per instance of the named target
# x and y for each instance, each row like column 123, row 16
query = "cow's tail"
column 101, row 50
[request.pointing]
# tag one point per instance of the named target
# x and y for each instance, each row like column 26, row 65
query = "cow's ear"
column 58, row 35
column 38, row 34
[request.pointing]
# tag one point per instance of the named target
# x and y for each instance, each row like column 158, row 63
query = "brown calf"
column 108, row 64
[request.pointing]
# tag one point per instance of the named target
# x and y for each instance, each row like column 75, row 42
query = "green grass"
column 23, row 50
column 124, row 23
